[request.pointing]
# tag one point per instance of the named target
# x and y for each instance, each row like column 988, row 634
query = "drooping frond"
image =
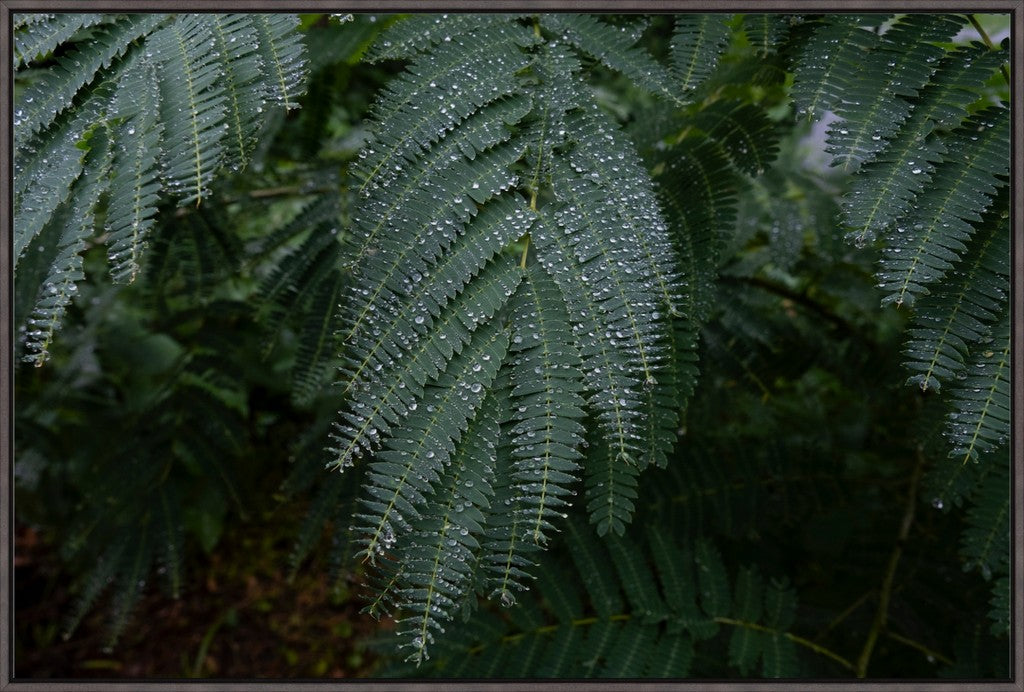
column 192, row 106
column 499, row 223
column 53, row 92
column 633, row 207
column 876, row 103
column 698, row 41
column 73, row 224
column 828, row 62
column 437, row 559
column 438, row 203
column 39, row 37
column 477, row 68
column 639, row 617
column 698, row 186
column 134, row 193
column 611, row 483
column 419, row 33
column 505, row 560
column 745, row 132
column 444, row 184
column 283, row 58
column 627, row 316
column 546, row 404
column 237, row 41
column 959, row 314
column 614, row 47
column 417, row 453
column 372, row 410
column 985, row 543
column 887, row 188
column 930, row 239
column 299, row 275
column 182, row 95
column 765, row 31
column 44, row 174
column 980, row 421
column 606, row 369
column 316, row 359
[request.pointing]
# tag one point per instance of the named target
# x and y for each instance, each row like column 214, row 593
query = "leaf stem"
column 526, row 250
column 796, row 639
column 526, row 238
column 988, row 42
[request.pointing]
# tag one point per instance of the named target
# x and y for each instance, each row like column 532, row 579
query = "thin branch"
column 845, row 614
column 988, row 42
column 933, row 655
column 885, row 594
column 801, row 299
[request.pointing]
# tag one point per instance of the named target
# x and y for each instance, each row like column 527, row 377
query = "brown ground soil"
column 239, row 617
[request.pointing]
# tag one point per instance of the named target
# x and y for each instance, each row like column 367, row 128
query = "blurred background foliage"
column 151, row 449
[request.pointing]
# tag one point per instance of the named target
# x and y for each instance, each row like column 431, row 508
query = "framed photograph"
column 482, row 344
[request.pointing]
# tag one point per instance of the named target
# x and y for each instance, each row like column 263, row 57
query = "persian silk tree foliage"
column 583, row 338
column 126, row 111
column 932, row 185
column 512, row 271
column 118, row 120
column 526, row 274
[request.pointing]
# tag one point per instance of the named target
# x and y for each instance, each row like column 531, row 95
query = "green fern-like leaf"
column 876, row 104
column 53, row 91
column 419, row 33
column 546, row 403
column 888, row 187
column 933, row 236
column 283, row 59
column 634, row 618
column 614, row 47
column 416, row 454
column 698, row 41
column 75, row 221
column 437, row 560
column 190, row 76
column 745, row 132
column 585, row 312
column 828, row 63
column 698, row 187
column 36, row 37
column 985, row 544
column 316, row 358
column 405, row 127
column 980, row 421
column 181, row 95
column 765, row 31
column 46, row 170
column 746, row 644
column 959, row 314
column 134, row 193
column 506, row 561
column 237, row 42
column 427, row 345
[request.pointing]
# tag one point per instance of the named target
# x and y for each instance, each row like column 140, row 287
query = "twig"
column 799, row 298
column 920, row 647
column 988, row 42
column 884, row 596
column 843, row 615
